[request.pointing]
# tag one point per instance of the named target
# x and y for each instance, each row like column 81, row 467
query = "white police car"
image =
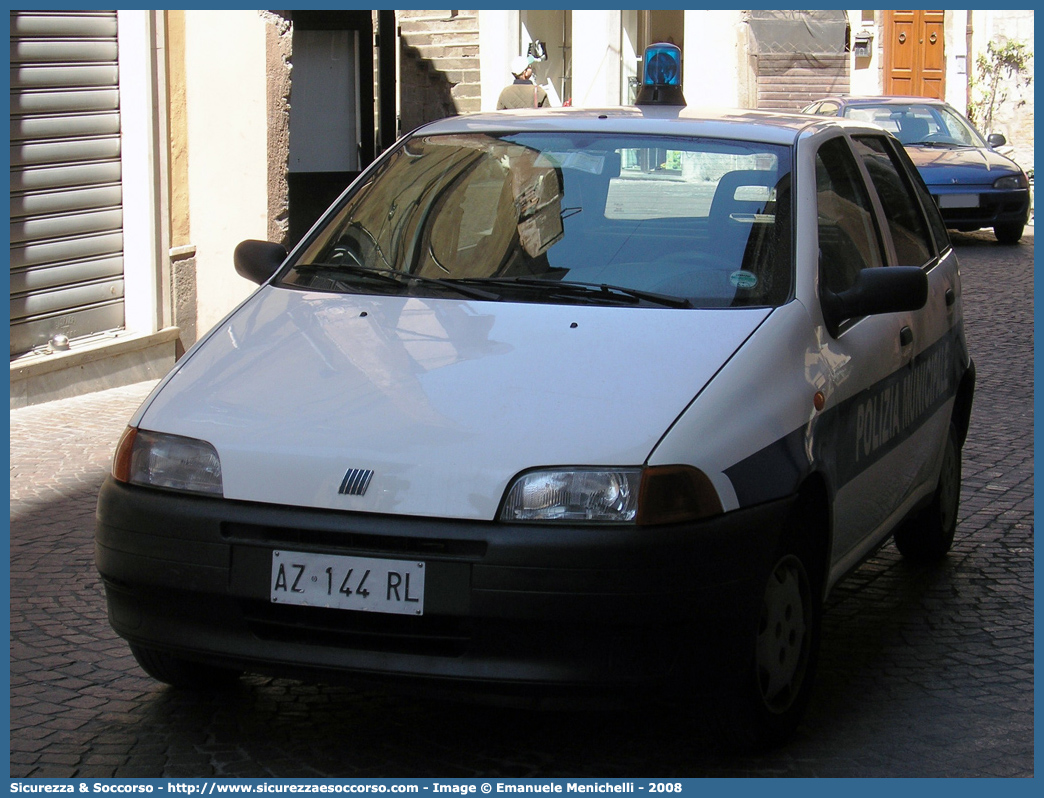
column 558, row 402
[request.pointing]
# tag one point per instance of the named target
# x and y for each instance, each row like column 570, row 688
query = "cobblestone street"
column 925, row 670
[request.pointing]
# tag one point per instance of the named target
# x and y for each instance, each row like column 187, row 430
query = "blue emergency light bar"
column 661, row 82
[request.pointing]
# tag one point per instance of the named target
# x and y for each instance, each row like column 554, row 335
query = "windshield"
column 920, row 124
column 560, row 217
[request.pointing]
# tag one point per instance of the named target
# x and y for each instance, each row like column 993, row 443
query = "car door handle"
column 951, row 297
column 905, row 337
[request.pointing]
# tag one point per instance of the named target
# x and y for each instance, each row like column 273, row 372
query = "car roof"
column 852, row 99
column 735, row 123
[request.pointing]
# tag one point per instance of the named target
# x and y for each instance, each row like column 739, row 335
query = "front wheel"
column 775, row 681
column 929, row 535
column 179, row 672
column 1009, row 233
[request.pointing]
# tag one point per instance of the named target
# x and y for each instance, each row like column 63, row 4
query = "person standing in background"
column 522, row 92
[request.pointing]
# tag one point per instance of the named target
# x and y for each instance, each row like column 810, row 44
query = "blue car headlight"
column 1012, row 181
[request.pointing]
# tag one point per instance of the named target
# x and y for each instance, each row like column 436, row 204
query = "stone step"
column 463, row 91
column 470, row 74
column 414, row 26
column 440, row 38
column 448, row 64
column 467, row 64
column 468, row 105
column 466, row 76
column 427, row 15
column 455, row 77
column 432, row 52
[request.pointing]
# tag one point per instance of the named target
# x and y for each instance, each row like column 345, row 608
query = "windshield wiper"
column 341, row 271
column 455, row 285
column 473, row 287
column 604, row 290
column 948, row 145
column 594, row 292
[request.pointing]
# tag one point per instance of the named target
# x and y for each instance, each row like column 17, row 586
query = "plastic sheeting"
column 805, row 32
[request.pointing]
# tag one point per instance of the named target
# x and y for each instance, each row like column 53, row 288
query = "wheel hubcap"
column 783, row 634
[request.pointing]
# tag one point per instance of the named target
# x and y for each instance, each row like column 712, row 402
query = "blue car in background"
column 974, row 185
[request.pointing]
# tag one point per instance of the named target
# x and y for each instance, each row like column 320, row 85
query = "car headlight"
column 174, row 462
column 1012, row 181
column 574, row 495
column 643, row 496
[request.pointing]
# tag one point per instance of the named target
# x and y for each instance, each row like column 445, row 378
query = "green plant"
column 1000, row 69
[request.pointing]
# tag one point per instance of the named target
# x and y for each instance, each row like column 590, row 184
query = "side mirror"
column 886, row 289
column 258, row 260
column 996, row 140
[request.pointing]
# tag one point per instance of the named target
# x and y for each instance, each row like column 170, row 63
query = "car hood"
column 964, row 166
column 444, row 400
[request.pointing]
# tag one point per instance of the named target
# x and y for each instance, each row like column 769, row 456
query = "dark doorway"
column 331, row 110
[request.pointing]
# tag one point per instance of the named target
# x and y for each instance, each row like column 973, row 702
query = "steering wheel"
column 343, row 253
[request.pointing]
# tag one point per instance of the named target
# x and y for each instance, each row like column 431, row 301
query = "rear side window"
column 848, row 239
column 908, row 228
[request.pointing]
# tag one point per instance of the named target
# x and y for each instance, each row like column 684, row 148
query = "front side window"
column 848, row 239
column 565, row 217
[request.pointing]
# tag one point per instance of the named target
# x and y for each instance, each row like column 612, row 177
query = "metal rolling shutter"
column 801, row 56
column 66, row 195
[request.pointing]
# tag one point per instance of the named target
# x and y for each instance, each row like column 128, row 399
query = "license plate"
column 347, row 583
column 958, row 200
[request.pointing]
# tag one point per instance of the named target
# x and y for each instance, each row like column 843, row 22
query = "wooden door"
column 915, row 62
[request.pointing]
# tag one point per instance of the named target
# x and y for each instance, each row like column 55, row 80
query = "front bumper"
column 508, row 608
column 992, row 206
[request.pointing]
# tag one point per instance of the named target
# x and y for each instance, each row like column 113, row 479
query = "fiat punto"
column 553, row 404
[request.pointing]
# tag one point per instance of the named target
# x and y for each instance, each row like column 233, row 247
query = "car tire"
column 774, row 683
column 1010, row 233
column 928, row 535
column 179, row 672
